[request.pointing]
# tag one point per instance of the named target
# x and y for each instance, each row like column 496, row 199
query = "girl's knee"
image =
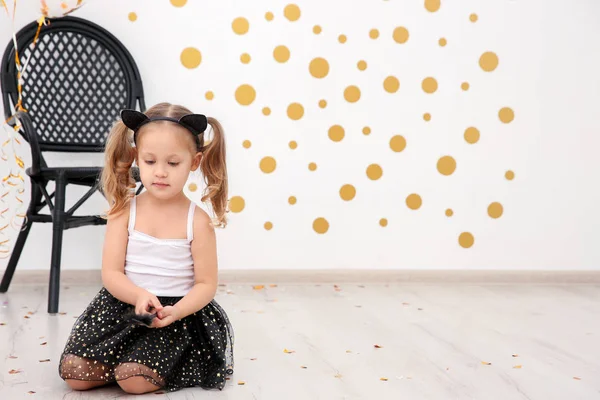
column 137, row 385
column 83, row 385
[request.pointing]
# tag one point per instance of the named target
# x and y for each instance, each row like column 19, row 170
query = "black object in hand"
column 139, row 319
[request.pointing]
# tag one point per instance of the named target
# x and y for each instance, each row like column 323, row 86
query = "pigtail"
column 117, row 181
column 214, row 169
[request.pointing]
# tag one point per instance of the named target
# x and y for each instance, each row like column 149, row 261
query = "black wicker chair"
column 78, row 79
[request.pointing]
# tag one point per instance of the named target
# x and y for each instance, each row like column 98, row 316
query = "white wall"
column 547, row 73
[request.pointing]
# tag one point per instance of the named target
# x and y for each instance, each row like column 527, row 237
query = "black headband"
column 134, row 120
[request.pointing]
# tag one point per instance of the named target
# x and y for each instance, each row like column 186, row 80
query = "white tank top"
column 164, row 267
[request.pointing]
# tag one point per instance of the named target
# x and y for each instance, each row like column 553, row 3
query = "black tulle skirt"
column 194, row 351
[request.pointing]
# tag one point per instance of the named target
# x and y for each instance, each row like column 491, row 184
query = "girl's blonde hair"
column 117, row 181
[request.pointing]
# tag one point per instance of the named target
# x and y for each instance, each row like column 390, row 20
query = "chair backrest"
column 78, row 79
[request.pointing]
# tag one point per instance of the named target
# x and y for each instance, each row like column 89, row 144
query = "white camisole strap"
column 131, row 214
column 190, row 221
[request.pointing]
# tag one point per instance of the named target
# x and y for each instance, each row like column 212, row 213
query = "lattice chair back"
column 77, row 78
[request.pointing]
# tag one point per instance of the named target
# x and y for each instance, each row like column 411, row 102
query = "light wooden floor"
column 541, row 340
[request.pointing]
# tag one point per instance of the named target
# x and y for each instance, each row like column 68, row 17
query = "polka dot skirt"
column 194, row 351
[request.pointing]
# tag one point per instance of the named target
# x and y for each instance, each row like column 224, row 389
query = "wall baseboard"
column 93, row 277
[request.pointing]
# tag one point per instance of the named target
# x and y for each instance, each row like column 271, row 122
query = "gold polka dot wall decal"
column 495, row 210
column 449, row 212
column 281, row 54
column 268, row 225
column 191, row 57
column 336, row 133
column 240, row 25
column 268, row 165
column 366, row 131
column 361, row 65
column 322, row 103
column 245, row 58
column 293, row 145
column 132, row 16
column 312, row 166
column 414, row 201
column 506, row 115
column 269, row 16
column 471, row 135
column 465, row 86
column 266, row 111
column 247, row 144
column 319, row 67
column 178, row 3
column 427, row 117
column 292, row 200
column 373, row 33
column 320, row 225
column 192, row 187
column 292, row 12
column 397, row 143
column 432, row 5
column 342, row 39
column 488, row 61
column 245, row 94
column 400, row 35
column 429, row 85
column 374, row 172
column 317, row 29
column 509, row 175
column 209, row 95
column 352, row 94
column 295, row 111
column 473, row 17
column 347, row 192
column 442, row 42
column 466, row 240
column 237, row 204
column 391, row 84
column 446, row 165
column 383, row 222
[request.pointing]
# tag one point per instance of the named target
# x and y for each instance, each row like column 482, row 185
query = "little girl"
column 155, row 323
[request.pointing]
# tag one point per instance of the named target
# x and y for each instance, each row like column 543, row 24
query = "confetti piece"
column 378, row 346
column 26, row 316
column 361, row 286
column 41, row 337
column 405, row 304
column 12, row 357
column 31, row 392
column 14, row 371
column 577, row 378
column 383, row 379
column 518, row 366
column 420, row 309
column 241, row 383
column 303, row 367
column 337, row 288
column 43, row 344
column 45, row 360
column 258, row 287
column 289, row 351
column 253, row 359
column 272, row 285
column 230, row 292
column 348, row 351
column 515, row 355
column 486, row 363
column 62, row 313
column 337, row 376
column 358, row 306
column 2, row 323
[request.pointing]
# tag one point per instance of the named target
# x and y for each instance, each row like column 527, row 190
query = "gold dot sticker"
column 240, row 25
column 317, row 29
column 247, row 144
column 495, row 210
column 292, row 200
column 293, row 145
column 427, row 117
column 361, row 65
column 473, row 17
column 245, row 94
column 471, row 135
column 374, row 172
column 312, row 166
column 178, row 3
column 373, row 33
column 446, row 165
column 442, row 42
column 269, row 16
column 465, row 86
column 191, row 57
column 281, row 54
column 506, row 115
column 400, row 35
column 192, row 187
column 366, row 131
column 398, row 143
column 352, row 94
column 488, row 61
column 509, row 175
column 295, row 111
column 319, row 67
column 266, row 111
column 449, row 212
column 268, row 165
column 414, row 201
column 342, row 39
column 391, row 84
column 383, row 222
column 132, row 16
column 322, row 103
column 347, row 192
column 209, row 95
column 268, row 225
column 466, row 240
column 237, row 204
column 245, row 58
column 320, row 225
column 432, row 5
column 429, row 85
column 292, row 12
column 336, row 133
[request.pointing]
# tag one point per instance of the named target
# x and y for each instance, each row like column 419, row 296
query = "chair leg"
column 14, row 257
column 58, row 224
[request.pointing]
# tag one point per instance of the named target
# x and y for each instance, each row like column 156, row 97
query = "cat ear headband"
column 134, row 120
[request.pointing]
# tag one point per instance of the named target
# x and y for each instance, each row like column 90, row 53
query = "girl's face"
column 166, row 155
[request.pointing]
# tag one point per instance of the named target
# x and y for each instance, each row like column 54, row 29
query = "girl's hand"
column 166, row 316
column 147, row 303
